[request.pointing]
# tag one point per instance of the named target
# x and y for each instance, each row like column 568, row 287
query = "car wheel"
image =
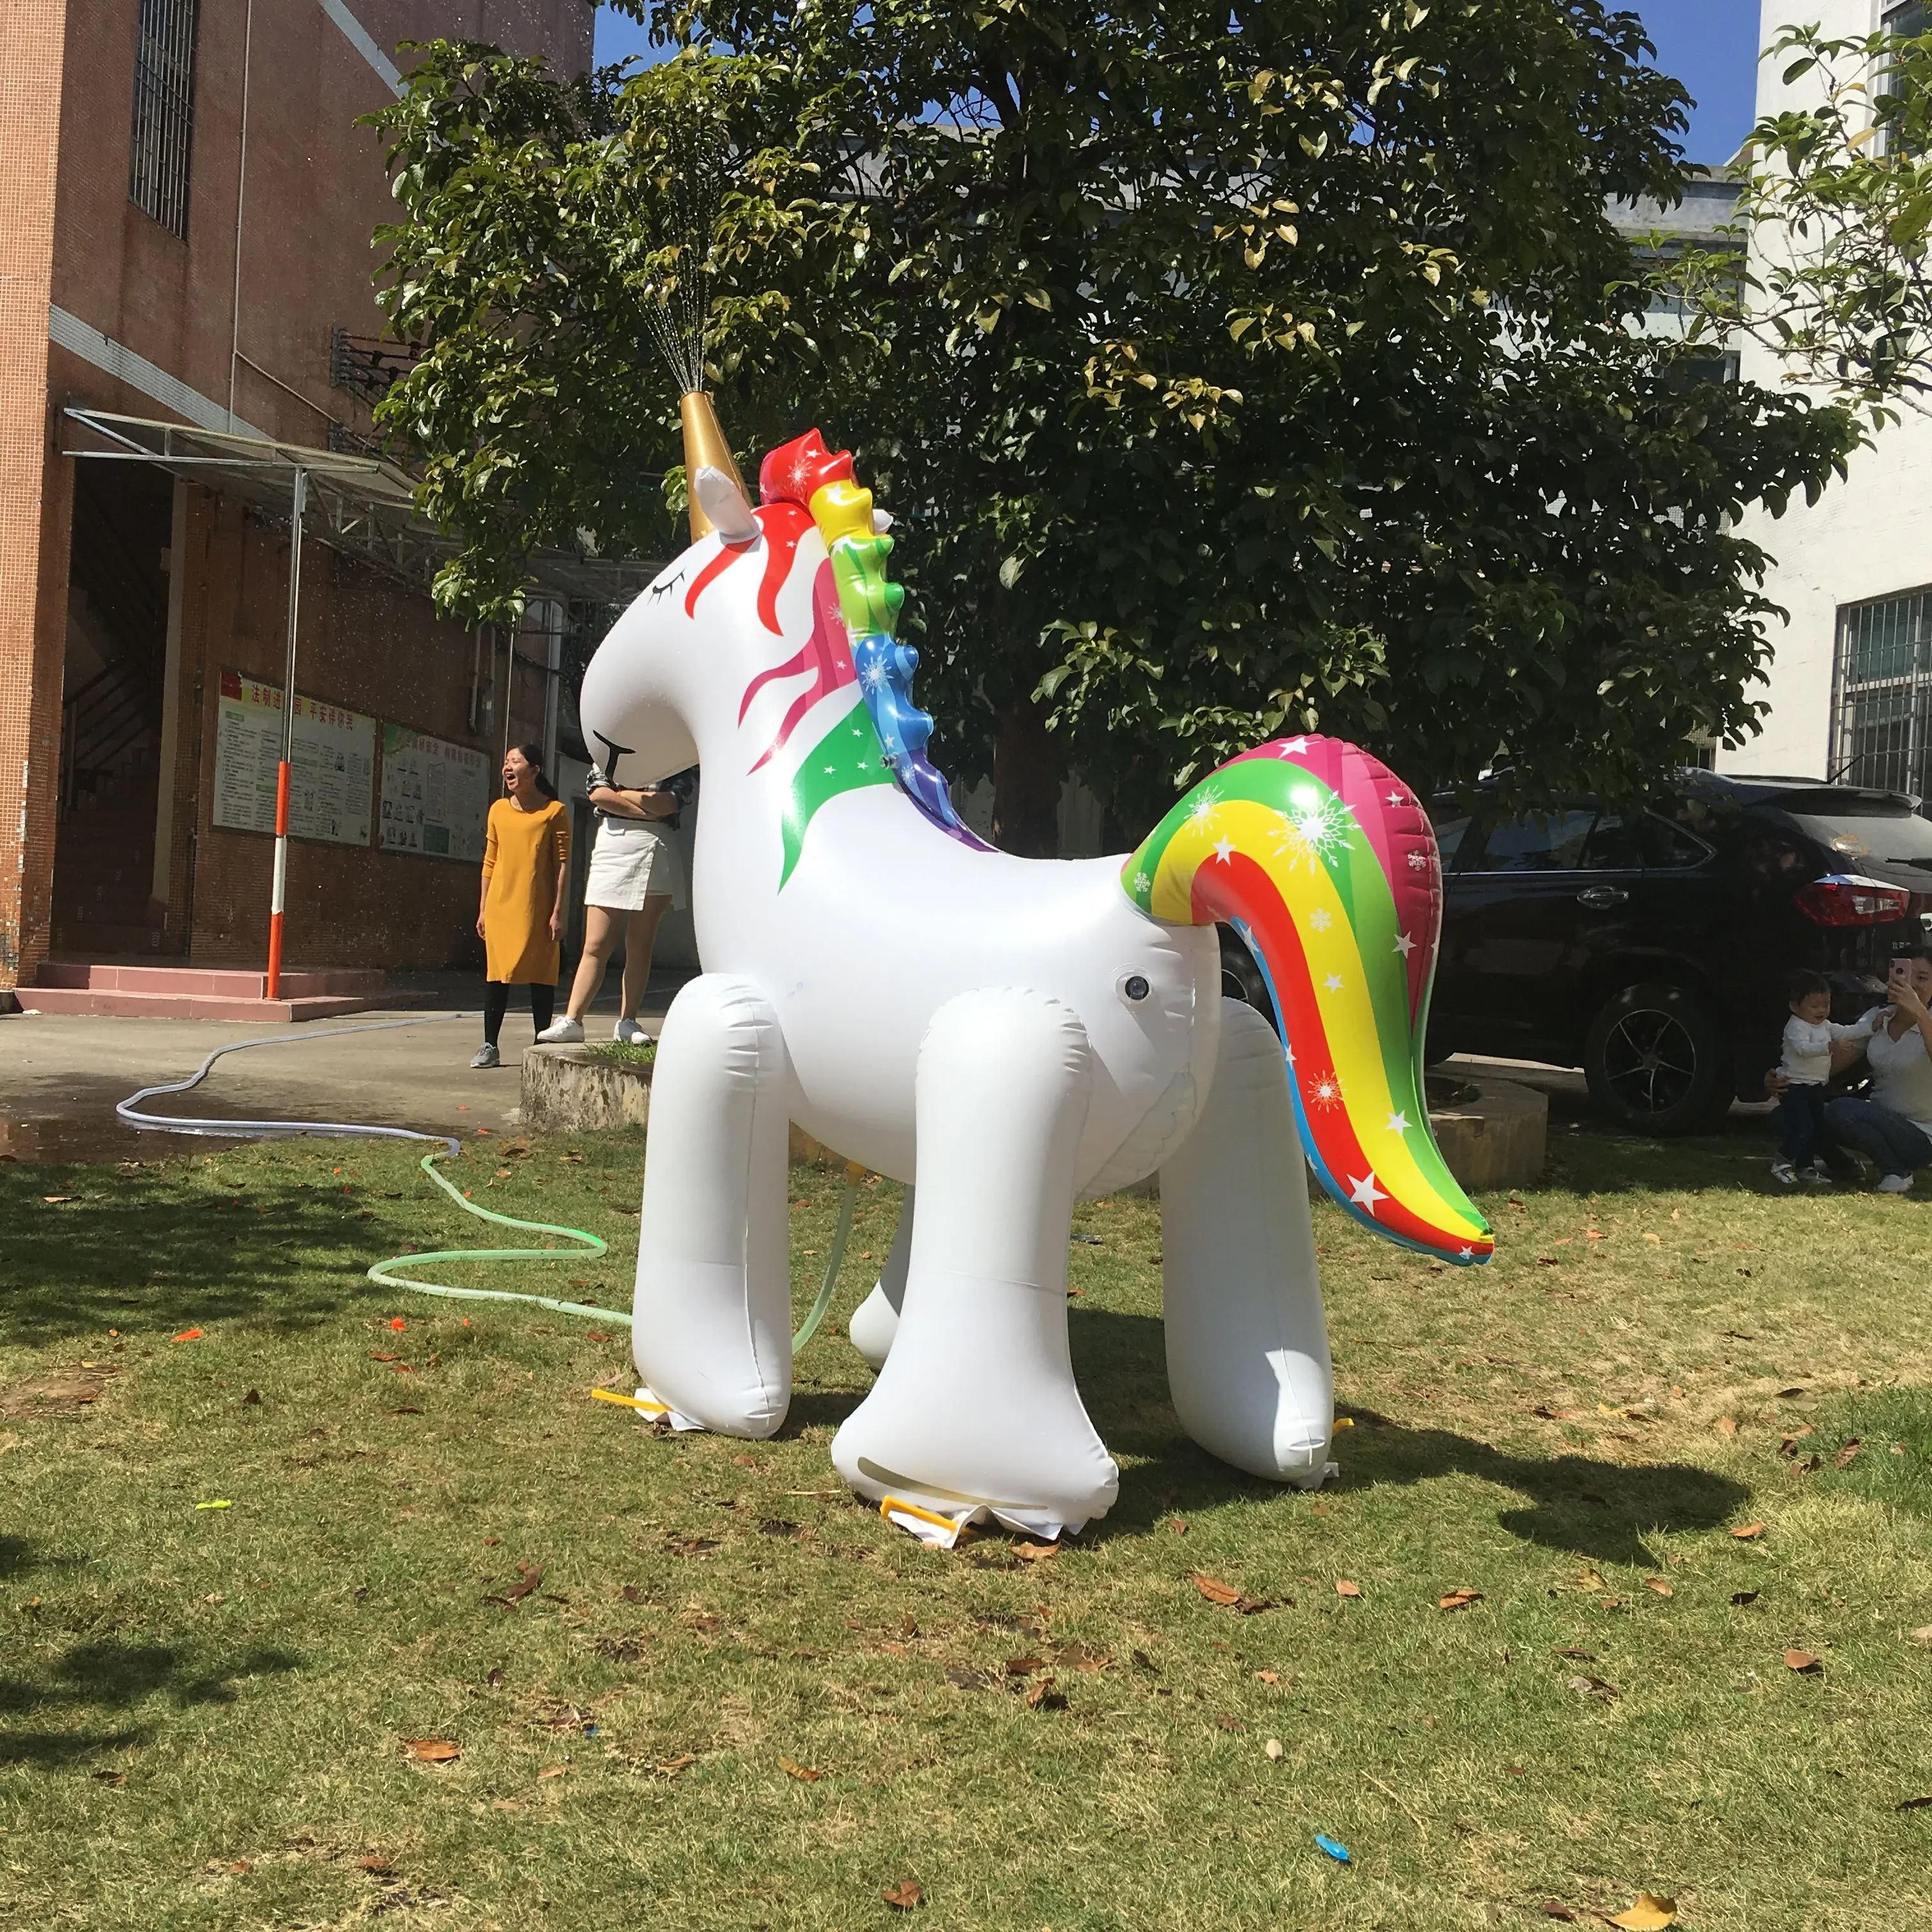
column 1657, row 1062
column 1241, row 978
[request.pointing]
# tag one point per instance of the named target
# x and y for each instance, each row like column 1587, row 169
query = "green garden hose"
column 590, row 1246
column 593, row 1247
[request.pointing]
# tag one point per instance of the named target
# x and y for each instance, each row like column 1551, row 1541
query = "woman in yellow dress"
column 520, row 917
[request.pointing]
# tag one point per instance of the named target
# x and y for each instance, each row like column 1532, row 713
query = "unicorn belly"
column 865, row 946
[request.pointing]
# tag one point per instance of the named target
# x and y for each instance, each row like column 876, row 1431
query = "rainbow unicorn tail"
column 1325, row 862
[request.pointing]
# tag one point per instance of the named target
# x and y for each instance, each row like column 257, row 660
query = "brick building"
column 186, row 325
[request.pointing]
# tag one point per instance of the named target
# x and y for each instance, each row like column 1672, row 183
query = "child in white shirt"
column 1806, row 1065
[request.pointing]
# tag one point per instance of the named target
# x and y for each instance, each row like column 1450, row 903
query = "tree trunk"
column 1026, row 787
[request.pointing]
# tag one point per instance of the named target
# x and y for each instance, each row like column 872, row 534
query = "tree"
column 1233, row 372
column 1838, row 201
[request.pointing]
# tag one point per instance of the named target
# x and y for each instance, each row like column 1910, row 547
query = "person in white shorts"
column 635, row 877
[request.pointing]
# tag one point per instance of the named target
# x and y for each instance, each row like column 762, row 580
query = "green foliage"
column 1228, row 372
column 1839, row 198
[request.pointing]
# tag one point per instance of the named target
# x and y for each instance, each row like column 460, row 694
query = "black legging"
column 496, row 1003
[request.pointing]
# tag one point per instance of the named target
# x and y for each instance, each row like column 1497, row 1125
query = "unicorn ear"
column 882, row 521
column 722, row 500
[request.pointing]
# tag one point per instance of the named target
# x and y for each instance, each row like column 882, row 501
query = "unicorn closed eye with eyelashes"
column 1006, row 1035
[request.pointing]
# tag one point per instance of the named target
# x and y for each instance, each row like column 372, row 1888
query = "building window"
column 158, row 167
column 1902, row 17
column 1881, row 695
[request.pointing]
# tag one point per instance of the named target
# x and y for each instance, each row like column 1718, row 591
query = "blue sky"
column 1709, row 45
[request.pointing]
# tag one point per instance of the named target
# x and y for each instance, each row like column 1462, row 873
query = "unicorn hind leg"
column 975, row 1411
column 876, row 1319
column 712, row 1336
column 1247, row 1344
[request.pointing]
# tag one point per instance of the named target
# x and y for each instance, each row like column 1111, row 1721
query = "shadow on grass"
column 99, row 1677
column 136, row 1250
column 1598, row 1510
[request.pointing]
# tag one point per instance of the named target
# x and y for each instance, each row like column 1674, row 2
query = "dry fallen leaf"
column 1214, row 1590
column 1459, row 1600
column 1749, row 1533
column 1914, row 1805
column 1273, row 1747
column 553, row 1771
column 1923, row 1634
column 1649, row 1914
column 1589, row 1580
column 1844, row 1456
column 1727, row 1425
column 672, row 1766
column 803, row 1773
column 1036, row 1552
column 1802, row 1661
column 904, row 1896
column 1343, row 1587
column 1658, row 1584
column 1592, row 1686
column 431, row 1750
column 1269, row 1676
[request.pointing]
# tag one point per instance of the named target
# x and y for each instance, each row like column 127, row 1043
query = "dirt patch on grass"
column 56, row 1392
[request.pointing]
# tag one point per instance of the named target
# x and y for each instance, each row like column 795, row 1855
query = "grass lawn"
column 693, row 1684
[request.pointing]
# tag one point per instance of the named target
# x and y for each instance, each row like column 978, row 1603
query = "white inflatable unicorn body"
column 1004, row 1035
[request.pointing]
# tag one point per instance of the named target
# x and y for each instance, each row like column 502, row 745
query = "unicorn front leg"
column 976, row 1410
column 1247, row 1345
column 711, row 1313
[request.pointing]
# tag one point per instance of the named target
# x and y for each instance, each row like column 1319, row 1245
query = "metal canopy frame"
column 361, row 506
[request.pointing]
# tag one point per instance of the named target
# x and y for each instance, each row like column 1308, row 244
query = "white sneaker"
column 1894, row 1184
column 486, row 1055
column 628, row 1033
column 566, row 1032
column 1781, row 1170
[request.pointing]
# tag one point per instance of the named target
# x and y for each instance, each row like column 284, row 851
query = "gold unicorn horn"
column 704, row 444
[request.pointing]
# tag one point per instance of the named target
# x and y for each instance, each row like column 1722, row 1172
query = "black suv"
column 1651, row 949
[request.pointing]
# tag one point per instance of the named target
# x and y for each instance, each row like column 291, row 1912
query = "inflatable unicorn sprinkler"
column 1006, row 1035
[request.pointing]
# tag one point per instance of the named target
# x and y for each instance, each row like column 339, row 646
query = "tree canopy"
column 1838, row 201
column 1232, row 370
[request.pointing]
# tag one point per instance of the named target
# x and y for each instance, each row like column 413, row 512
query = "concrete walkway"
column 61, row 1073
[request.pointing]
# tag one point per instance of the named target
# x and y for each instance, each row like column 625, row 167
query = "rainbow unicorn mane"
column 803, row 473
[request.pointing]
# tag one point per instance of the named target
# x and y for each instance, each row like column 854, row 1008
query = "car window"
column 1613, row 846
column 1668, row 848
column 1539, row 843
column 1899, row 839
column 1449, row 827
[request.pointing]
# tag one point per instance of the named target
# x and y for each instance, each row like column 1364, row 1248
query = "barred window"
column 158, row 169
column 1882, row 711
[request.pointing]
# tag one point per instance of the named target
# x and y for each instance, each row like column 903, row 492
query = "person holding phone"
column 635, row 879
column 1893, row 1123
